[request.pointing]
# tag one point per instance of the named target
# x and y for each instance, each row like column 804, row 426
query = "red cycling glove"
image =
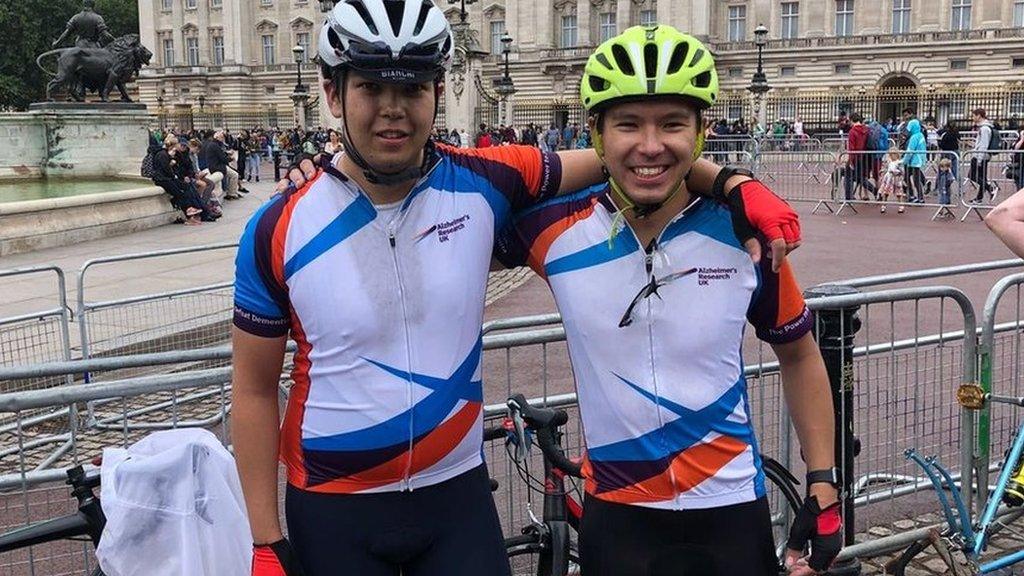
column 822, row 529
column 275, row 559
column 756, row 209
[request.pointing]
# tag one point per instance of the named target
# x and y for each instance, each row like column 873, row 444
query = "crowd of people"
column 886, row 162
column 571, row 136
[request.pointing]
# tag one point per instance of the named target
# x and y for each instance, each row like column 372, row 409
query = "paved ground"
column 851, row 245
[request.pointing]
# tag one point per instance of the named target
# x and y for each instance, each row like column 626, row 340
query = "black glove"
column 822, row 528
column 275, row 559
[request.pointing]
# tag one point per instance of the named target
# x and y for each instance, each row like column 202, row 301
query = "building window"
column 269, row 53
column 1018, row 62
column 900, row 16
column 218, row 50
column 168, row 52
column 216, row 3
column 648, row 17
column 269, row 89
column 607, row 25
column 735, row 111
column 192, row 51
column 844, row 17
column 1018, row 13
column 958, row 64
column 736, row 72
column 191, row 4
column 166, row 5
column 737, row 23
column 266, row 2
column 302, row 39
column 497, row 31
column 842, row 69
column 787, row 71
column 961, row 19
column 569, row 31
column 790, row 19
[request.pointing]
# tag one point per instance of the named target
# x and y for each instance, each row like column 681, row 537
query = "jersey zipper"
column 649, row 269
column 406, row 484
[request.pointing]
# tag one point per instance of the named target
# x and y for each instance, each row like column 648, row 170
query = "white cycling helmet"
column 397, row 41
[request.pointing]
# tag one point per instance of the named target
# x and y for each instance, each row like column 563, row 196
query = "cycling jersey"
column 663, row 398
column 387, row 315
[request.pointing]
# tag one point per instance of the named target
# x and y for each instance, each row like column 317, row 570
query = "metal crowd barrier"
column 186, row 316
column 37, row 336
column 1003, row 176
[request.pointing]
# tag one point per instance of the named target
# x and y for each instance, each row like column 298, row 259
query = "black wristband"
column 718, row 187
column 827, row 475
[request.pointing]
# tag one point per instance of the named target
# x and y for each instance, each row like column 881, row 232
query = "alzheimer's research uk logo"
column 707, row 275
column 444, row 230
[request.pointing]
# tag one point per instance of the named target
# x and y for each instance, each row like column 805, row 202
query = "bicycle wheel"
column 783, row 500
column 528, row 557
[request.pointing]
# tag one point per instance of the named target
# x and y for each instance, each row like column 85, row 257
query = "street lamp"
column 202, row 102
column 299, row 51
column 504, row 85
column 759, row 84
column 462, row 7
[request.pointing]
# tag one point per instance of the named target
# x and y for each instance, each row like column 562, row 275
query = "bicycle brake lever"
column 522, row 448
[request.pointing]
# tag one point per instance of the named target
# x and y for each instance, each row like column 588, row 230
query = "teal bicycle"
column 963, row 535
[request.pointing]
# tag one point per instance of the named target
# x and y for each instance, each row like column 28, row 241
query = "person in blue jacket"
column 914, row 159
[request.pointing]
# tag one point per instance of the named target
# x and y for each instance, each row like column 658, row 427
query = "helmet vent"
column 422, row 18
column 395, row 12
column 696, row 57
column 650, row 60
column 600, row 57
column 678, row 57
column 365, row 15
column 597, row 84
column 622, row 60
column 702, row 80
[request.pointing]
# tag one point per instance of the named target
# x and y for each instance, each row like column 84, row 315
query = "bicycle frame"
column 973, row 539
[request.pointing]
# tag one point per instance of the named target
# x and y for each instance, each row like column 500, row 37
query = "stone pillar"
column 622, row 15
column 817, row 19
column 147, row 25
column 584, row 16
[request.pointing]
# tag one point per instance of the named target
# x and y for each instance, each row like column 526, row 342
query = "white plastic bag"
column 174, row 507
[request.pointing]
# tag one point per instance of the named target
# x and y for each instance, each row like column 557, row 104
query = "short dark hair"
column 979, row 112
column 855, row 117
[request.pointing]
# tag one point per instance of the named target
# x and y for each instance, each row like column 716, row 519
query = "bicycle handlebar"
column 546, row 422
column 56, row 529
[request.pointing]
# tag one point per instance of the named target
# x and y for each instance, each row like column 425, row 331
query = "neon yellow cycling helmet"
column 647, row 62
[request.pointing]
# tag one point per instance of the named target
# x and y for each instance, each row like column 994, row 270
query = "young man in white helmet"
column 655, row 292
column 377, row 267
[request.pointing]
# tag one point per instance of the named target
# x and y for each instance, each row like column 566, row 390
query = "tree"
column 29, row 26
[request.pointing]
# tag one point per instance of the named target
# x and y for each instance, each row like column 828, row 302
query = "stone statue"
column 88, row 26
column 98, row 69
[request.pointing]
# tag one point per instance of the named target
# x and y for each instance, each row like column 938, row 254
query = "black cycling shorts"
column 448, row 529
column 624, row 540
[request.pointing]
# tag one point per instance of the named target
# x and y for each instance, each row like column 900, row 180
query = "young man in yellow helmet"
column 655, row 292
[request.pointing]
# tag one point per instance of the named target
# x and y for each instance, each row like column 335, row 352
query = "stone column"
column 584, row 16
column 622, row 14
column 147, row 25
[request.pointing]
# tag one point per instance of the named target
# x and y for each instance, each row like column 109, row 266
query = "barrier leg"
column 824, row 203
column 835, row 330
column 846, row 204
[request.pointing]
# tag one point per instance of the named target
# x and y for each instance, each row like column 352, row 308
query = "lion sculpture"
column 98, row 69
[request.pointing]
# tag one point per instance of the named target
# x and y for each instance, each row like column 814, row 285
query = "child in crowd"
column 944, row 180
column 892, row 180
